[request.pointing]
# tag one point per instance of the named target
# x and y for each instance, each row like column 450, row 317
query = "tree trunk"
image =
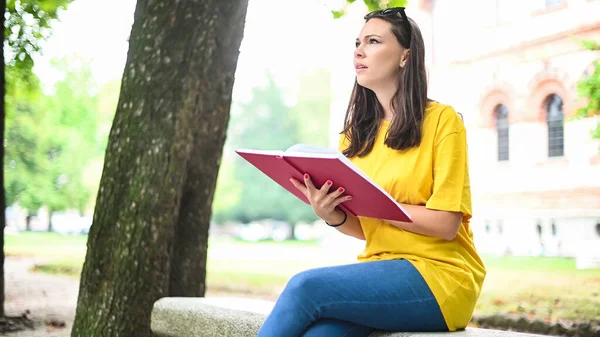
column 2, row 195
column 215, row 65
column 149, row 233
column 50, row 229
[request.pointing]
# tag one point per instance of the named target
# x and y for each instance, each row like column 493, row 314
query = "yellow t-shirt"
column 434, row 174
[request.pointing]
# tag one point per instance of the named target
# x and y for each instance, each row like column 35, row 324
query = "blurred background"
column 518, row 72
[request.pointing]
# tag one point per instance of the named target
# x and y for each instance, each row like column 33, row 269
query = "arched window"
column 555, row 118
column 501, row 113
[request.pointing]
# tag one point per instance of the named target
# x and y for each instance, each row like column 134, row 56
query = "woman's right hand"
column 321, row 199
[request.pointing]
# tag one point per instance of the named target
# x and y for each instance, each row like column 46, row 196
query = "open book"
column 322, row 164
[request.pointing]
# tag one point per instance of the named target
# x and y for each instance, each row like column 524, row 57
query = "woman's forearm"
column 440, row 224
column 351, row 227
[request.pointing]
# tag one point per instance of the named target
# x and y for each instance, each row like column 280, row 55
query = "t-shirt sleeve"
column 451, row 186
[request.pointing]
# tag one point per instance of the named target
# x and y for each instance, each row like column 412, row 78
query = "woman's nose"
column 358, row 52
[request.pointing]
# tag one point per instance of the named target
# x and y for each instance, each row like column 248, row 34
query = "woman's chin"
column 363, row 81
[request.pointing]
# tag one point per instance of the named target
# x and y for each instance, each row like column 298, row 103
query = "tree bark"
column 149, row 234
column 2, row 195
column 50, row 229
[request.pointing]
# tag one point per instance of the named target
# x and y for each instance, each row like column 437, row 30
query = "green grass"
column 69, row 267
column 540, row 287
column 546, row 288
column 525, row 263
column 49, row 245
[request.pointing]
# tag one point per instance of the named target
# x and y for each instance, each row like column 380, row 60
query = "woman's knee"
column 302, row 283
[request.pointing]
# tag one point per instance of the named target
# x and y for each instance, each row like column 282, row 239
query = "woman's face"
column 378, row 56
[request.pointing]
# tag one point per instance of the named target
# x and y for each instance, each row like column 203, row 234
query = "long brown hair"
column 364, row 112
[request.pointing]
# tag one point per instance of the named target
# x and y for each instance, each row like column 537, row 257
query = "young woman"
column 423, row 275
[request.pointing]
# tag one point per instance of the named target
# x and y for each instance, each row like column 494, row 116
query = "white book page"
column 306, row 148
column 264, row 152
column 311, row 151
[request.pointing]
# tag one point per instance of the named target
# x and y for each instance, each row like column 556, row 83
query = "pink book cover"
column 322, row 164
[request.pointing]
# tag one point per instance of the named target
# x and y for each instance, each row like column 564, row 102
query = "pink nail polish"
column 341, row 189
column 305, row 176
column 329, row 182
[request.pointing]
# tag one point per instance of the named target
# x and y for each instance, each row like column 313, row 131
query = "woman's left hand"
column 321, row 199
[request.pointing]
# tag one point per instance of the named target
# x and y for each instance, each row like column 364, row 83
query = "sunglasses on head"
column 392, row 12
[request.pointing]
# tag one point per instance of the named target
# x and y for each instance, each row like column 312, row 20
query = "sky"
column 285, row 36
column 94, row 30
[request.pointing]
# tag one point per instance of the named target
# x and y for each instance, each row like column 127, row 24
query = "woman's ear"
column 404, row 58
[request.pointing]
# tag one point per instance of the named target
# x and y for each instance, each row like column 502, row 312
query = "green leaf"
column 10, row 5
column 50, row 140
column 591, row 45
column 372, row 5
column 41, row 13
column 337, row 14
column 589, row 88
column 596, row 133
column 397, row 3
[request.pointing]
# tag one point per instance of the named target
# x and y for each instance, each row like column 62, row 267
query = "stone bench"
column 237, row 317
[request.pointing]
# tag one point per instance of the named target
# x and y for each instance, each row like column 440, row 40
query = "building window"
column 553, row 228
column 501, row 114
column 538, row 228
column 555, row 118
column 598, row 228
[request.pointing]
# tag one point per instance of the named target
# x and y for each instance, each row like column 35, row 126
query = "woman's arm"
column 351, row 227
column 325, row 204
column 439, row 224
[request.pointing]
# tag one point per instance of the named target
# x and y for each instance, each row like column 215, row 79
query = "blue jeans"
column 354, row 300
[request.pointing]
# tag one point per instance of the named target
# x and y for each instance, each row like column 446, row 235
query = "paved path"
column 52, row 297
column 47, row 297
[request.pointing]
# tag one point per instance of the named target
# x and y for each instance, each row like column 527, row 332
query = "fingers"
column 321, row 196
column 301, row 187
column 309, row 184
column 325, row 188
column 335, row 194
column 318, row 193
column 335, row 202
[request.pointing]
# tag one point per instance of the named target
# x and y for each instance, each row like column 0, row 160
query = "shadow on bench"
column 238, row 317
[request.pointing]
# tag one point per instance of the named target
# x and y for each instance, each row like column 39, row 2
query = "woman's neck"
column 384, row 96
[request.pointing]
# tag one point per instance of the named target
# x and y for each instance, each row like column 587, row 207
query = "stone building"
column 511, row 69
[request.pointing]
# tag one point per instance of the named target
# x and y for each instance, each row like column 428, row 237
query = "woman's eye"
column 356, row 44
column 371, row 41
